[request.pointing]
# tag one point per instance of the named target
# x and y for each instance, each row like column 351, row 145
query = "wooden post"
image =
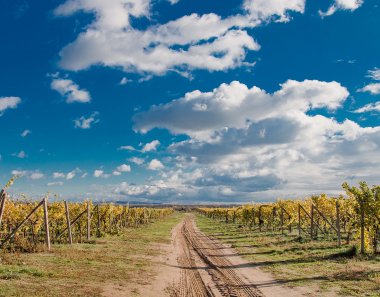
column 46, row 219
column 312, row 222
column 72, row 223
column 338, row 223
column 3, row 196
column 12, row 233
column 88, row 221
column 362, row 247
column 282, row 220
column 68, row 223
column 253, row 218
column 260, row 220
column 299, row 220
column 98, row 225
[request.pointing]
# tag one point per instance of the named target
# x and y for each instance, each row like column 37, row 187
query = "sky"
column 189, row 101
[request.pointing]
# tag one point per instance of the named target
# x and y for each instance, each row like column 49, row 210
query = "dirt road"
column 208, row 268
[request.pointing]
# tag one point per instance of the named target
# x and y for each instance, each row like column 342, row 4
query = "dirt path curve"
column 209, row 268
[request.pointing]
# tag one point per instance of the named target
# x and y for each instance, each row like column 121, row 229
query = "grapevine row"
column 353, row 217
column 25, row 226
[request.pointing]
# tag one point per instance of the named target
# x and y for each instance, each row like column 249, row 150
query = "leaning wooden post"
column 299, row 220
column 98, row 225
column 312, row 221
column 260, row 220
column 46, row 219
column 68, row 223
column 88, row 220
column 3, row 196
column 282, row 220
column 338, row 223
column 362, row 246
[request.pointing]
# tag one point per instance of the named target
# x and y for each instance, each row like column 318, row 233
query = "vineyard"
column 28, row 225
column 346, row 219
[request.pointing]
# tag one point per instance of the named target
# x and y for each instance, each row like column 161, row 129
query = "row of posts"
column 43, row 203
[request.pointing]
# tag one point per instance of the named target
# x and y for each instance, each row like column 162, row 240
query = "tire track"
column 205, row 269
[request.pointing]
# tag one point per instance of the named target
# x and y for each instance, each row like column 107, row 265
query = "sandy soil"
column 195, row 265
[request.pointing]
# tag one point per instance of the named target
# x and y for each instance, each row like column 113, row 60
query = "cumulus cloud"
column 70, row 90
column 55, row 184
column 155, row 165
column 19, row 172
column 369, row 107
column 350, row 5
column 100, row 173
column 68, row 176
column 59, row 175
column 20, row 154
column 122, row 168
column 86, row 122
column 137, row 161
column 199, row 114
column 245, row 142
column 25, row 133
column 8, row 103
column 36, row 175
column 277, row 9
column 189, row 42
column 374, row 74
column 72, row 173
column 127, row 148
column 124, row 81
column 151, row 146
column 373, row 88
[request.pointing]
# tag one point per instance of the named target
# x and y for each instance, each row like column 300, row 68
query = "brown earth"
column 196, row 265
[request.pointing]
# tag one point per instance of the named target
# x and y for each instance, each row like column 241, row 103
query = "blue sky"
column 189, row 101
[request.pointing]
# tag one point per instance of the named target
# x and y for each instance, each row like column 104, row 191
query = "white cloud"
column 25, row 133
column 36, row 175
column 21, row 155
column 19, row 172
column 151, row 146
column 137, row 161
column 374, row 74
column 124, row 81
column 247, row 143
column 127, row 148
column 373, row 88
column 86, row 122
column 231, row 105
column 124, row 168
column 189, row 42
column 70, row 90
column 264, row 9
column 350, row 5
column 58, row 175
column 100, row 173
column 9, row 103
column 70, row 175
column 54, row 184
column 155, row 165
column 369, row 107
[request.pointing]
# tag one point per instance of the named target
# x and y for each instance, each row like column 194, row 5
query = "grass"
column 318, row 266
column 123, row 261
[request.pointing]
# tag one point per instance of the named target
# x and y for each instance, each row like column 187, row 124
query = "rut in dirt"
column 205, row 271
